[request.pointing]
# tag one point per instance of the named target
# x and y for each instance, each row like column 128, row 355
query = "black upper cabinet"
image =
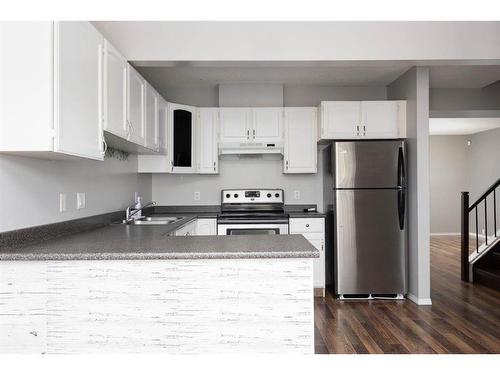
column 183, row 129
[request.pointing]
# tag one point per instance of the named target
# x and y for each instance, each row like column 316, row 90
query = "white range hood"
column 237, row 148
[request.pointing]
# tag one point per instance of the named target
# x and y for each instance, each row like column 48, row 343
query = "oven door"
column 235, row 229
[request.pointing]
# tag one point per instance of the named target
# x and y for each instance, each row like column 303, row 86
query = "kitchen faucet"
column 130, row 212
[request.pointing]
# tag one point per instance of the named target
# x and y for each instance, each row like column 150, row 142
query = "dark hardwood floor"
column 463, row 318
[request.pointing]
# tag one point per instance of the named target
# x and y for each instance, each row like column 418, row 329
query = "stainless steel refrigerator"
column 370, row 239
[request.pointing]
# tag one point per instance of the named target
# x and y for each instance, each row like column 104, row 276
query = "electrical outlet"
column 197, row 195
column 80, row 200
column 62, row 202
column 296, row 195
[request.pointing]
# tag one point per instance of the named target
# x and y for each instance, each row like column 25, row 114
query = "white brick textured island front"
column 172, row 306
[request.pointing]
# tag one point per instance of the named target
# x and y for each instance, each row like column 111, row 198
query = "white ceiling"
column 318, row 74
column 461, row 126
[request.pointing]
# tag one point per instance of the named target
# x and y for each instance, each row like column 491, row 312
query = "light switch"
column 80, row 200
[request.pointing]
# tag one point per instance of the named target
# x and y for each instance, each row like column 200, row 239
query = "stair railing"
column 465, row 233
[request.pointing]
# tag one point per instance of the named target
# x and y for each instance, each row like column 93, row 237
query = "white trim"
column 419, row 301
column 445, row 234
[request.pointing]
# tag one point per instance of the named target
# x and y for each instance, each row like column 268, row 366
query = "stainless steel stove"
column 252, row 211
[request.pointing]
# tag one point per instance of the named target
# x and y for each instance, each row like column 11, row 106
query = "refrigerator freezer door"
column 370, row 246
column 372, row 164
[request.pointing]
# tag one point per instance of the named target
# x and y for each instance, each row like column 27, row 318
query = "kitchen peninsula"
column 126, row 288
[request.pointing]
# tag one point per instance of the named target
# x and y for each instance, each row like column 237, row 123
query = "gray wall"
column 413, row 86
column 30, row 188
column 487, row 98
column 296, row 96
column 448, row 178
column 483, row 161
column 237, row 173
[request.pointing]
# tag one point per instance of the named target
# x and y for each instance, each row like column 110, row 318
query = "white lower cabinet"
column 206, row 227
column 187, row 230
column 50, row 89
column 313, row 229
column 198, row 227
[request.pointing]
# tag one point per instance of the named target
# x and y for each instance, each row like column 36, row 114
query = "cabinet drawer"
column 306, row 225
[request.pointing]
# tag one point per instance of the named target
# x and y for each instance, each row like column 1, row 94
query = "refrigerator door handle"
column 401, row 169
column 401, row 208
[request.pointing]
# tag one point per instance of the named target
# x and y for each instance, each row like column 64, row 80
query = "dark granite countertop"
column 299, row 210
column 118, row 241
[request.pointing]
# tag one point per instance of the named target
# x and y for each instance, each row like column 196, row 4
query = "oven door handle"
column 251, row 221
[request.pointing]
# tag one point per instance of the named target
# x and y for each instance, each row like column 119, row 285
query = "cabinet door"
column 208, row 127
column 267, row 125
column 235, row 124
column 163, row 126
column 151, row 109
column 115, row 92
column 318, row 263
column 135, row 107
column 340, row 120
column 187, row 230
column 206, row 227
column 300, row 150
column 380, row 119
column 158, row 163
column 182, row 119
column 77, row 89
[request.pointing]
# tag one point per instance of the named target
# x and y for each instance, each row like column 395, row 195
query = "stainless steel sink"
column 156, row 220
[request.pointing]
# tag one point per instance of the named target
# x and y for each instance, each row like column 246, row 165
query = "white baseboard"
column 419, row 301
column 445, row 234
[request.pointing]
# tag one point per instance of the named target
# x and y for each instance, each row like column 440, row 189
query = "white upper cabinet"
column 115, row 92
column 158, row 163
column 340, row 120
column 182, row 127
column 78, row 49
column 208, row 128
column 135, row 106
column 235, row 124
column 300, row 149
column 267, row 125
column 383, row 119
column 151, row 114
column 50, row 102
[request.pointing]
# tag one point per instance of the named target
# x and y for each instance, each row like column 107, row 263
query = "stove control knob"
column 228, row 195
column 277, row 195
column 269, row 195
column 236, row 195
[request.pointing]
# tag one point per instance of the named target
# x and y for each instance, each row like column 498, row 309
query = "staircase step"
column 489, row 277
